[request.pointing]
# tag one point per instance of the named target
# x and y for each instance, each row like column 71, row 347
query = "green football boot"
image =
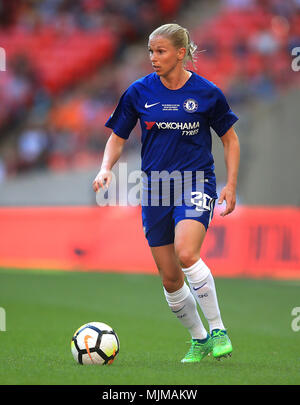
column 221, row 344
column 198, row 351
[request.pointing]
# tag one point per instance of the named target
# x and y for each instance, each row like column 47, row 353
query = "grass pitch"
column 44, row 308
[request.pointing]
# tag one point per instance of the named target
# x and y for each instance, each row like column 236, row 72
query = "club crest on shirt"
column 190, row 105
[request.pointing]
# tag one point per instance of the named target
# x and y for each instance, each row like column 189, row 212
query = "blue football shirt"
column 176, row 124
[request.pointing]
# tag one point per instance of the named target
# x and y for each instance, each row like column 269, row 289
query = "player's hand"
column 102, row 180
column 228, row 194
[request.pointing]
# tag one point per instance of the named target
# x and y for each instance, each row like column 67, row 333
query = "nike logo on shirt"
column 150, row 105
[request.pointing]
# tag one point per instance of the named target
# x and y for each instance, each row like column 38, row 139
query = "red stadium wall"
column 251, row 242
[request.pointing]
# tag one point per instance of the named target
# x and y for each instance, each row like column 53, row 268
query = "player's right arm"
column 112, row 152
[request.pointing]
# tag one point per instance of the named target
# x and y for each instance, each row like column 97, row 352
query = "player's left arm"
column 231, row 145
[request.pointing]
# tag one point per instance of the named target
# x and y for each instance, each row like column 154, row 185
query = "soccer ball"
column 95, row 343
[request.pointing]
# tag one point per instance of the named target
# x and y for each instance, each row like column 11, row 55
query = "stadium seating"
column 234, row 31
column 61, row 61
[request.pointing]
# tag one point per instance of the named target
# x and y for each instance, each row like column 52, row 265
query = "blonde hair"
column 180, row 38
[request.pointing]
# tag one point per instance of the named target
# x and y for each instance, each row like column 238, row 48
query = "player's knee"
column 172, row 284
column 187, row 257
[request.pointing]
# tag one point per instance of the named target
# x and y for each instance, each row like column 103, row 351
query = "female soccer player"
column 176, row 109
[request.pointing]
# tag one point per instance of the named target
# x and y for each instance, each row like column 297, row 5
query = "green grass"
column 43, row 309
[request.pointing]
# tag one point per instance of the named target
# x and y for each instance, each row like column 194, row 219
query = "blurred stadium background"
column 68, row 62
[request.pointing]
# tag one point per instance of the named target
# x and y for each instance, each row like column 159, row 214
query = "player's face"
column 164, row 57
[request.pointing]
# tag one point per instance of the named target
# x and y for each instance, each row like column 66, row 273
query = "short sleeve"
column 221, row 117
column 124, row 118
